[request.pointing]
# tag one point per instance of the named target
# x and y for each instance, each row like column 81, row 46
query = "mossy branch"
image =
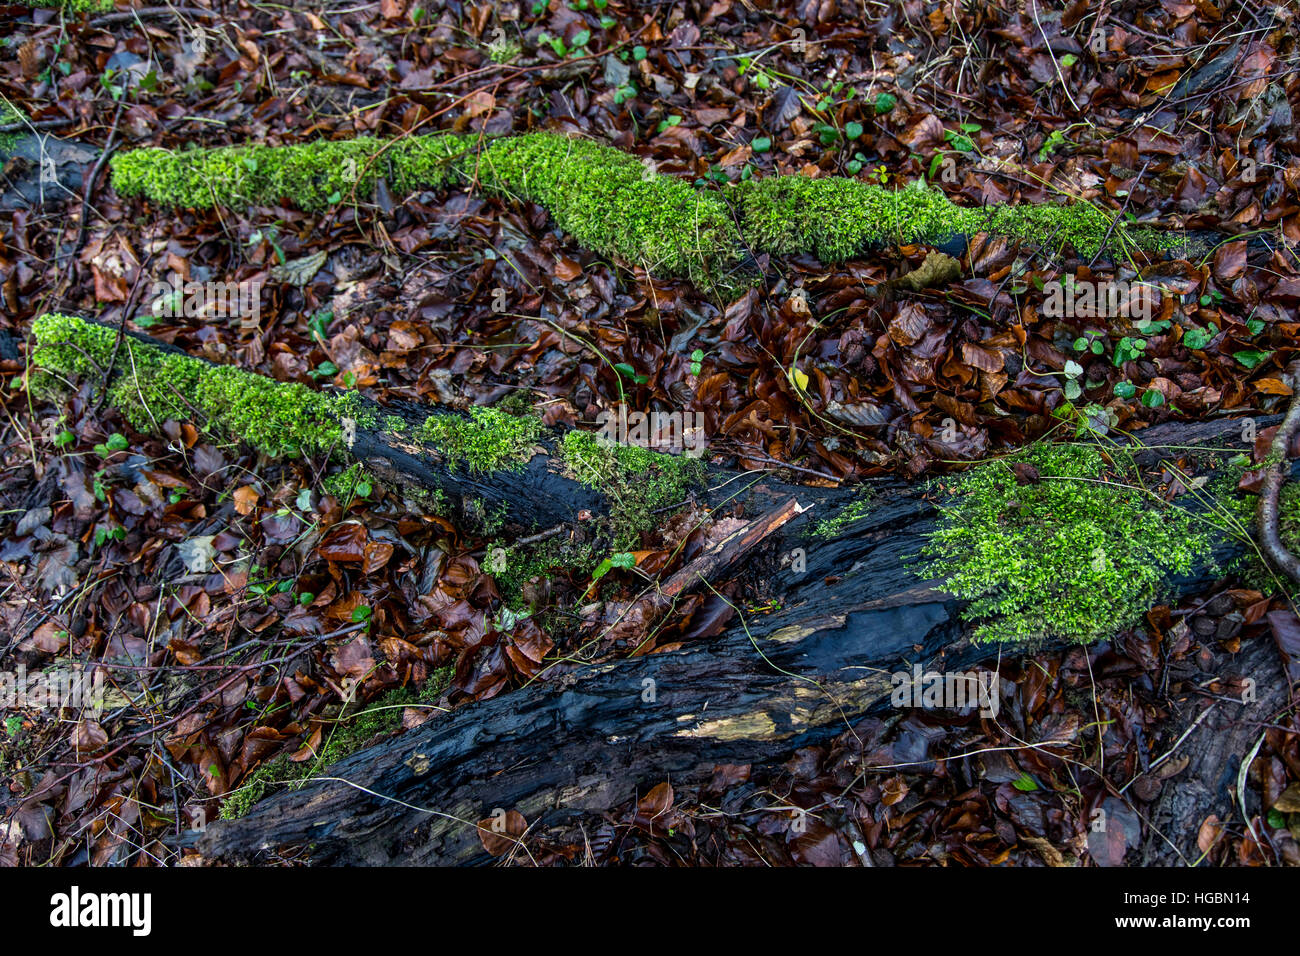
column 614, row 204
column 492, row 467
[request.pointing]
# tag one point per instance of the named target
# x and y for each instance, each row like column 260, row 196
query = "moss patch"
column 151, row 385
column 75, row 6
column 352, row 482
column 614, row 205
column 1078, row 554
column 853, row 511
column 313, row 176
column 1243, row 509
column 9, row 114
column 349, row 735
column 607, row 199
column 488, row 439
column 836, row 218
column 637, row 481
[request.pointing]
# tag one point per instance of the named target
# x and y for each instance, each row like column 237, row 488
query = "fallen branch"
column 1270, row 536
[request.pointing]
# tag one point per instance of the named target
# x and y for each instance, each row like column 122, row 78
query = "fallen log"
column 595, row 736
column 853, row 612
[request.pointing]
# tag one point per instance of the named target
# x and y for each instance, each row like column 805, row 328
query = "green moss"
column 855, row 510
column 1078, row 554
column 151, row 385
column 9, row 114
column 1079, row 225
column 614, row 205
column 313, row 176
column 638, row 482
column 1242, row 511
column 75, row 6
column 349, row 483
column 837, row 218
column 350, row 734
column 488, row 439
column 521, row 563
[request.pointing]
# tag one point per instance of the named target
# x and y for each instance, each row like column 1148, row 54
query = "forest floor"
column 246, row 609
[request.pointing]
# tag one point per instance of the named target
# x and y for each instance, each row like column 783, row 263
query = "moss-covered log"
column 487, row 466
column 616, row 205
column 862, row 602
column 598, row 735
column 1077, row 522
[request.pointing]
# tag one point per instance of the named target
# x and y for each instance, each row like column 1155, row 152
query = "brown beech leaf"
column 500, row 832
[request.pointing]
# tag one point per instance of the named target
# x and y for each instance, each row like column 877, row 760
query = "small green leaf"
column 1025, row 783
column 1125, row 390
column 885, row 102
column 1251, row 357
column 1152, row 398
column 639, row 53
column 761, row 144
column 852, row 130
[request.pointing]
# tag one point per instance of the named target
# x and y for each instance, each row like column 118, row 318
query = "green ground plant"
column 151, row 385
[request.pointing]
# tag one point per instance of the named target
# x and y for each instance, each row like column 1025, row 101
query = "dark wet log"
column 593, row 737
column 1206, row 743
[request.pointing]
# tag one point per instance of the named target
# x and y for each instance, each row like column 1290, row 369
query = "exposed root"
column 1270, row 537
